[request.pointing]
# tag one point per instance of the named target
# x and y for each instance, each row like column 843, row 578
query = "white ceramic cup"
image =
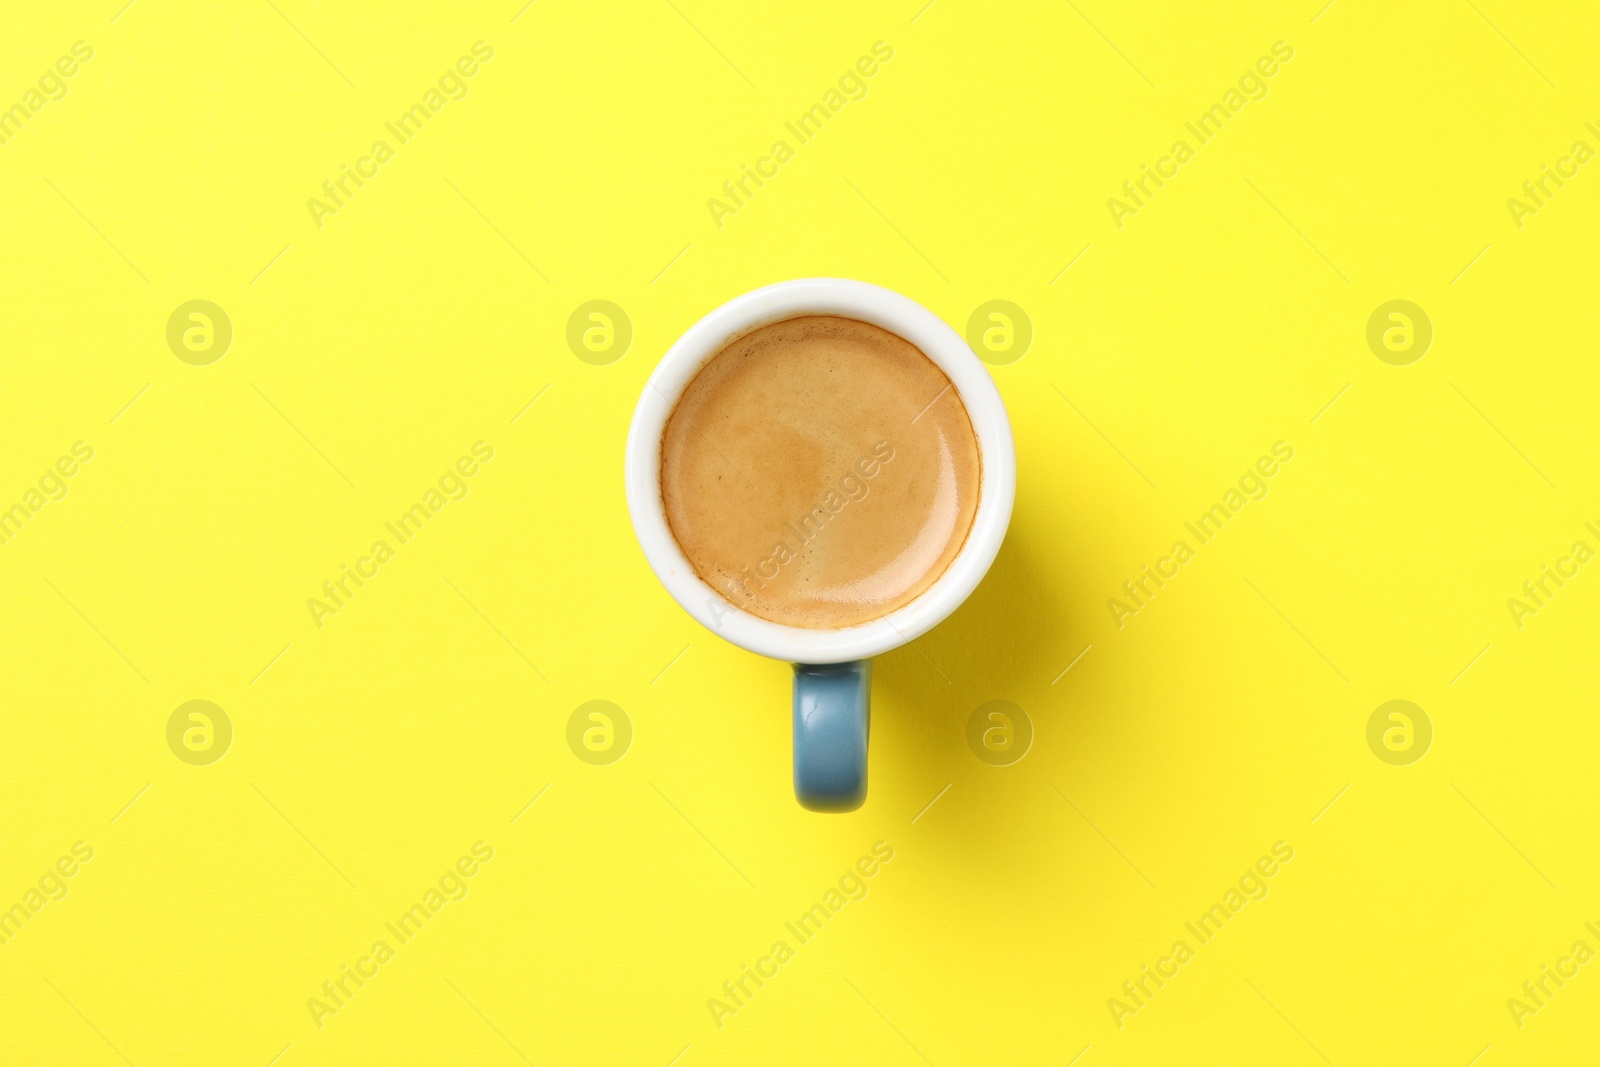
column 854, row 644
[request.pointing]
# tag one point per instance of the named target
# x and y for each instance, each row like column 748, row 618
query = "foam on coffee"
column 820, row 472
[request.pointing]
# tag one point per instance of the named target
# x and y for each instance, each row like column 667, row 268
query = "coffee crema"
column 820, row 472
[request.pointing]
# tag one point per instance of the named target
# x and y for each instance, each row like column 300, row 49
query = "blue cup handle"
column 831, row 718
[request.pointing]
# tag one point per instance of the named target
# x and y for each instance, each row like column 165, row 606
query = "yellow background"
column 369, row 754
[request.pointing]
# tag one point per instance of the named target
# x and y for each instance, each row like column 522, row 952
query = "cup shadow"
column 1011, row 637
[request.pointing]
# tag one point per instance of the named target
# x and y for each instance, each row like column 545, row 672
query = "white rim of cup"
column 850, row 299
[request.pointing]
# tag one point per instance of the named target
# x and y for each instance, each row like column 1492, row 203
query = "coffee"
column 820, row 472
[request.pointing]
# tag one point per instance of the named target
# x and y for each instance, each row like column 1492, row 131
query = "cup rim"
column 878, row 306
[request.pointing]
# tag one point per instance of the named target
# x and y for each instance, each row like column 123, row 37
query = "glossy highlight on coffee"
column 820, row 472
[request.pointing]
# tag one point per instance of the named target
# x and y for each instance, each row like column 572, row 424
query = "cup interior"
column 849, row 299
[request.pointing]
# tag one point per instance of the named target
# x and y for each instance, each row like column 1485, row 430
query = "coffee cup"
column 832, row 665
